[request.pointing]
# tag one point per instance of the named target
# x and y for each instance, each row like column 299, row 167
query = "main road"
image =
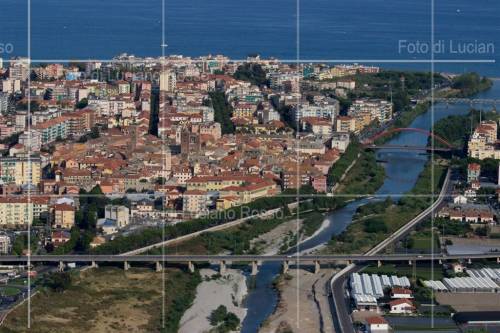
column 342, row 318
column 326, row 259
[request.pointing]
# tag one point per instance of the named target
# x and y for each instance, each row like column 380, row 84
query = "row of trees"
column 222, row 111
column 470, row 84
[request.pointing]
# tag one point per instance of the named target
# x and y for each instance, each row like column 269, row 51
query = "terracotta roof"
column 64, row 207
column 376, row 320
column 401, row 291
column 474, row 166
column 401, row 301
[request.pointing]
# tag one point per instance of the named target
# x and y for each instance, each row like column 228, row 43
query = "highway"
column 323, row 259
column 342, row 317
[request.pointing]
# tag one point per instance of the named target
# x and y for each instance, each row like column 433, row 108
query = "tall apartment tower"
column 190, row 143
column 168, row 80
column 167, row 166
column 19, row 69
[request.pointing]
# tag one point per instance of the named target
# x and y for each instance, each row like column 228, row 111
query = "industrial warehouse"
column 479, row 280
column 366, row 289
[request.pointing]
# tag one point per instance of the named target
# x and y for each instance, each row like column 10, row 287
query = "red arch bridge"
column 370, row 143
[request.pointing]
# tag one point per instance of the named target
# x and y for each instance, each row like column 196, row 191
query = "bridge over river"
column 255, row 260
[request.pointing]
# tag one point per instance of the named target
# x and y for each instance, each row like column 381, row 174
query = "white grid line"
column 163, row 46
column 286, row 61
column 432, row 151
column 30, row 211
column 297, row 139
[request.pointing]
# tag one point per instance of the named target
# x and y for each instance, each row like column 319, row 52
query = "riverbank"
column 364, row 177
column 278, row 239
column 215, row 290
column 363, row 234
column 303, row 303
column 109, row 299
column 463, row 86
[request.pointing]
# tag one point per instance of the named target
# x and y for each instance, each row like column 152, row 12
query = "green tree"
column 222, row 111
column 82, row 104
column 252, row 73
column 58, row 282
column 218, row 315
column 20, row 243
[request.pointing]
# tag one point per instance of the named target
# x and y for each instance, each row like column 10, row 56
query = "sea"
column 390, row 33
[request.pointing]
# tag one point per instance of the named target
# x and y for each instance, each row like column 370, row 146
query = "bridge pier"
column 379, row 263
column 126, row 266
column 191, row 267
column 255, row 268
column 317, row 267
column 285, row 267
column 93, row 264
column 159, row 266
column 498, row 260
column 222, row 269
column 61, row 266
column 440, row 262
column 410, row 262
column 469, row 261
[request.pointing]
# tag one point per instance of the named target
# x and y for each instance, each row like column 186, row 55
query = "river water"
column 402, row 171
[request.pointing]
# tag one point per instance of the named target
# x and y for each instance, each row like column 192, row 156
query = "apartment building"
column 120, row 214
column 32, row 140
column 195, row 202
column 340, row 141
column 366, row 111
column 5, row 244
column 250, row 192
column 52, row 129
column 483, row 142
column 329, row 112
column 64, row 216
column 345, row 124
column 216, row 183
column 22, row 210
column 21, row 170
column 79, row 122
column 168, row 80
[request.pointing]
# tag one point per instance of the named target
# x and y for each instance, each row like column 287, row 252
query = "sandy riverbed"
column 303, row 306
column 270, row 242
column 229, row 290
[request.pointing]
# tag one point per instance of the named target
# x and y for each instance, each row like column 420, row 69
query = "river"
column 402, row 171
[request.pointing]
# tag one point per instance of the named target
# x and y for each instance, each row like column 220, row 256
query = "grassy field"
column 9, row 291
column 109, row 300
column 365, row 177
column 422, row 271
column 423, row 241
